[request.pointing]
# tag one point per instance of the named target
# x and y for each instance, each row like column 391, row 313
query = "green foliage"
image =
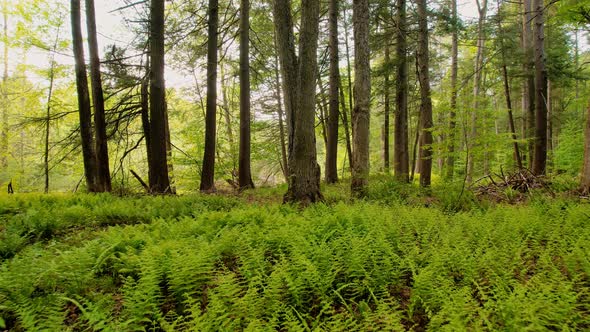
column 213, row 263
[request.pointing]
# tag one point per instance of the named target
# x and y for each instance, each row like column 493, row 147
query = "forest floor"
column 404, row 259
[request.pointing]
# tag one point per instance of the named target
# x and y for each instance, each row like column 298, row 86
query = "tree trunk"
column 586, row 168
column 4, row 104
column 159, row 180
column 401, row 140
column 208, row 174
column 549, row 127
column 332, row 147
column 517, row 157
column 345, row 123
column 529, row 87
column 245, row 171
column 84, row 111
column 479, row 60
column 426, row 140
column 48, row 120
column 299, row 83
column 285, row 164
column 348, row 65
column 103, row 174
column 453, row 114
column 145, row 120
column 386, row 111
column 540, row 158
column 362, row 96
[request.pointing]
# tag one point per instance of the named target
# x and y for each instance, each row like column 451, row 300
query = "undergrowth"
column 211, row 263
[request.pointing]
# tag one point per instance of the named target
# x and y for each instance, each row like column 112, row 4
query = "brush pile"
column 511, row 187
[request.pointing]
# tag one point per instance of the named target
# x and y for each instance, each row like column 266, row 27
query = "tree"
column 159, row 180
column 540, row 152
column 299, row 88
column 208, row 173
column 333, row 112
column 103, row 175
column 454, row 72
column 426, row 140
column 4, row 104
column 245, row 172
column 362, row 97
column 386, row 111
column 401, row 142
column 84, row 111
column 529, row 83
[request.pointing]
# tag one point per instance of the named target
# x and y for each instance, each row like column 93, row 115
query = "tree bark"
column 332, row 146
column 426, row 140
column 345, row 123
column 103, row 174
column 208, row 174
column 84, row 111
column 453, row 113
column 245, row 171
column 159, row 179
column 362, row 96
column 145, row 119
column 299, row 85
column 479, row 60
column 401, row 140
column 540, row 158
column 386, row 112
column 529, row 83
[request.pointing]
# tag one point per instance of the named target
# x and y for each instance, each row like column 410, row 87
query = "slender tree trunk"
column 4, row 104
column 401, row 140
column 299, row 83
column 332, row 146
column 227, row 117
column 549, row 126
column 386, row 112
column 540, row 158
column 426, row 140
column 285, row 164
column 159, row 179
column 453, row 113
column 348, row 64
column 208, row 175
column 530, row 79
column 245, row 171
column 345, row 124
column 362, row 96
column 517, row 158
column 84, row 111
column 323, row 105
column 586, row 168
column 48, row 122
column 482, row 6
column 103, row 175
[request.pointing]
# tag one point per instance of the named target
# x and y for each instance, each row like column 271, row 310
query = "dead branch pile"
column 511, row 187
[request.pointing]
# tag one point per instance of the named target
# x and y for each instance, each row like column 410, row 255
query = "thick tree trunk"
column 401, row 141
column 586, row 168
column 299, row 82
column 332, row 146
column 103, row 174
column 245, row 171
column 84, row 111
column 159, row 179
column 479, row 60
column 453, row 113
column 386, row 112
column 426, row 140
column 517, row 157
column 362, row 96
column 208, row 174
column 540, row 158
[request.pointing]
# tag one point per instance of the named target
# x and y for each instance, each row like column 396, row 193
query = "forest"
column 295, row 165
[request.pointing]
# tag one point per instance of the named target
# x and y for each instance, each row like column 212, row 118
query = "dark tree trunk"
column 84, row 111
column 245, row 172
column 332, row 147
column 528, row 66
column 540, row 158
column 159, row 180
column 362, row 96
column 208, row 174
column 453, row 114
column 299, row 85
column 401, row 140
column 386, row 111
column 145, row 120
column 103, row 174
column 426, row 140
